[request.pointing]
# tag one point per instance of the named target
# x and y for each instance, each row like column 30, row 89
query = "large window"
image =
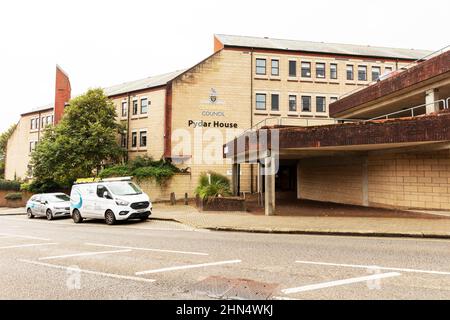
column 306, row 69
column 49, row 120
column 134, row 139
column 292, row 103
column 320, row 104
column 143, row 138
column 376, row 73
column 123, row 139
column 275, row 67
column 135, row 107
column 349, row 72
column 362, row 73
column 261, row 66
column 275, row 102
column 292, row 68
column 260, row 101
column 333, row 71
column 306, row 104
column 387, row 70
column 320, row 70
column 124, row 109
column 33, row 121
column 144, row 106
column 32, row 146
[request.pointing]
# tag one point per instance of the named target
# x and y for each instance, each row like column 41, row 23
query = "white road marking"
column 28, row 245
column 103, row 274
column 22, row 236
column 340, row 282
column 283, row 298
column 82, row 254
column 192, row 266
column 375, row 267
column 147, row 249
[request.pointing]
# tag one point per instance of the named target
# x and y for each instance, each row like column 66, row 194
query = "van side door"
column 102, row 203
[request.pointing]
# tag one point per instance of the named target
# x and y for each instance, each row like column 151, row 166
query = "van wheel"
column 110, row 218
column 76, row 216
column 30, row 214
column 49, row 214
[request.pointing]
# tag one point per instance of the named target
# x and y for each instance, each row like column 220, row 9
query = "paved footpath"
column 238, row 221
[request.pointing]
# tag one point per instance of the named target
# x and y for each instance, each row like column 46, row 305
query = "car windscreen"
column 124, row 188
column 57, row 198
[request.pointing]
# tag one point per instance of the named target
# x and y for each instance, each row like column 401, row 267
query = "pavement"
column 156, row 259
column 432, row 227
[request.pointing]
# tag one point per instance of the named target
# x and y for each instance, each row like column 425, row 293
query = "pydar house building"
column 188, row 115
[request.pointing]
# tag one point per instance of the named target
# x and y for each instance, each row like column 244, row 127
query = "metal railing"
column 412, row 110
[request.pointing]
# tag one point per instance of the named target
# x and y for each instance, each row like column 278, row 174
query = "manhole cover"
column 236, row 289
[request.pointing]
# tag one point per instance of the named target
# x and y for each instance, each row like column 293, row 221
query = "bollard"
column 173, row 201
column 186, row 202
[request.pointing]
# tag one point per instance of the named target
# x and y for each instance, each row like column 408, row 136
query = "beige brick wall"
column 179, row 184
column 334, row 179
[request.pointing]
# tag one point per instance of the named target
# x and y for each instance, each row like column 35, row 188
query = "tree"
column 84, row 140
column 4, row 137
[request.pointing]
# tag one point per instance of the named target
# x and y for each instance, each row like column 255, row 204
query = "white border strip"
column 28, row 245
column 83, row 254
column 340, row 282
column 103, row 274
column 374, row 267
column 146, row 249
column 188, row 267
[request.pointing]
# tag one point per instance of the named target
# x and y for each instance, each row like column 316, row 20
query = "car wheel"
column 30, row 214
column 110, row 218
column 76, row 216
column 49, row 214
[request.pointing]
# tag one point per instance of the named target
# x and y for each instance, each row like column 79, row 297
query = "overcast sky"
column 102, row 43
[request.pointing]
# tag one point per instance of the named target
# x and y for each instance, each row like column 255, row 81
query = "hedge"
column 14, row 196
column 9, row 185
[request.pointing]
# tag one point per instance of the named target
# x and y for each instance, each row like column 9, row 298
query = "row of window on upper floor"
column 306, row 103
column 42, row 122
column 136, row 108
column 134, row 139
column 320, row 68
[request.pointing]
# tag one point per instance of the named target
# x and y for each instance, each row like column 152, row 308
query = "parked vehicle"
column 109, row 199
column 50, row 205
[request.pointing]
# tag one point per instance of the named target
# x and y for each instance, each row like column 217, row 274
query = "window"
column 275, row 67
column 49, row 120
column 333, row 71
column 134, row 139
column 306, row 69
column 101, row 190
column 143, row 138
column 376, row 73
column 260, row 101
column 306, row 104
column 144, row 106
column 333, row 99
column 320, row 104
column 362, row 73
column 32, row 146
column 124, row 109
column 387, row 70
column 123, row 140
column 320, row 70
column 292, row 103
column 135, row 107
column 292, row 68
column 349, row 72
column 261, row 66
column 43, row 122
column 275, row 102
column 32, row 124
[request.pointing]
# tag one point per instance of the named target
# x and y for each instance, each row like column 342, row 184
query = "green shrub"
column 160, row 174
column 13, row 196
column 212, row 185
column 43, row 186
column 115, row 171
column 9, row 185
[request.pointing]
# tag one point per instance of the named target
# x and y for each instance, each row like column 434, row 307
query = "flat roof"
column 321, row 47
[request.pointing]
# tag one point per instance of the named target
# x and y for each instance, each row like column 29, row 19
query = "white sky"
column 102, row 43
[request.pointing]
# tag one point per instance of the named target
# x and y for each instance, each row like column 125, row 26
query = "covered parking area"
column 401, row 163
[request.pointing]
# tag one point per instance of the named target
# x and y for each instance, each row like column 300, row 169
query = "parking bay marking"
column 375, row 267
column 83, row 254
column 28, row 245
column 147, row 249
column 103, row 274
column 340, row 282
column 22, row 236
column 192, row 266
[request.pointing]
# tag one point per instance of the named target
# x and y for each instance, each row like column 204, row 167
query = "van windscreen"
column 124, row 188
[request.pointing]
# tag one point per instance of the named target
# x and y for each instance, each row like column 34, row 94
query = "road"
column 42, row 259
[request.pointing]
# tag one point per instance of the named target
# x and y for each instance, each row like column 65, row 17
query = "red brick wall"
column 62, row 93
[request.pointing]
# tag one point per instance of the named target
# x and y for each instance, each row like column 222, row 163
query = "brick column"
column 269, row 181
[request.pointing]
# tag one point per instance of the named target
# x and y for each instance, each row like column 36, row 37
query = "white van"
column 109, row 199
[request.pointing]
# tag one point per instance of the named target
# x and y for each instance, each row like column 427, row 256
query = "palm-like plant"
column 213, row 185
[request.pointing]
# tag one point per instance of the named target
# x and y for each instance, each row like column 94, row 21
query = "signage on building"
column 212, row 124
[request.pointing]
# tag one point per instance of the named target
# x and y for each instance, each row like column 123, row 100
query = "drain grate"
column 235, row 289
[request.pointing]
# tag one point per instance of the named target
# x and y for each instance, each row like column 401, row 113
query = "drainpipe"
column 128, row 125
column 39, row 126
column 251, row 114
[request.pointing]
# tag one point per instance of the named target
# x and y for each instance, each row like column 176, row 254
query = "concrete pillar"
column 431, row 96
column 269, row 180
column 235, row 177
column 365, row 181
column 298, row 180
column 259, row 185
